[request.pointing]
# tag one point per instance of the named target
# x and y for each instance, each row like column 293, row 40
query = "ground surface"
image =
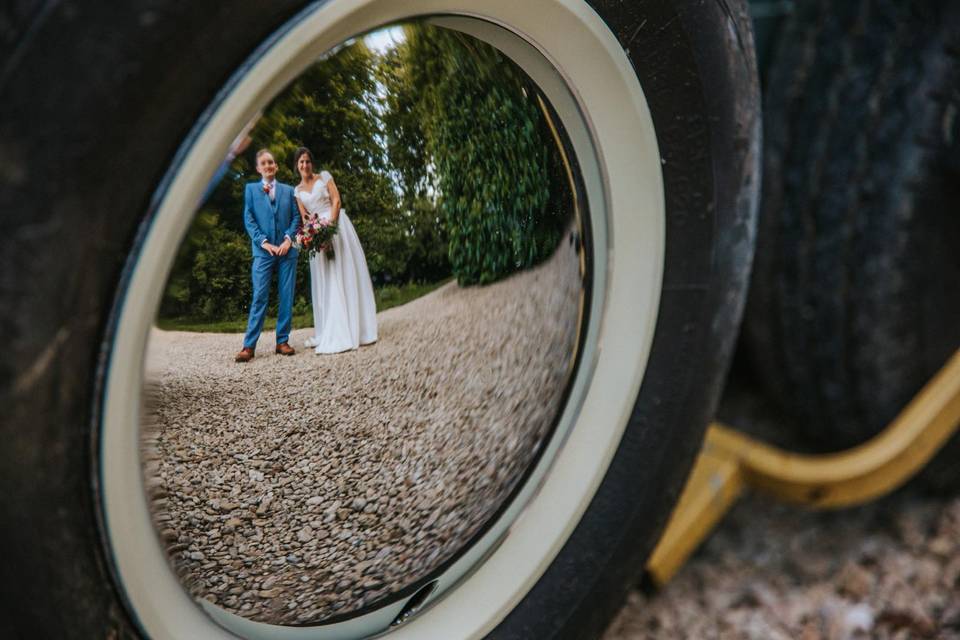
column 770, row 572
column 293, row 489
column 890, row 569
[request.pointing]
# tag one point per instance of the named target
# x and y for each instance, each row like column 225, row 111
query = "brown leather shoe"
column 245, row 355
column 285, row 349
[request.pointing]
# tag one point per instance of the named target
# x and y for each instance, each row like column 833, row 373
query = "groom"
column 271, row 217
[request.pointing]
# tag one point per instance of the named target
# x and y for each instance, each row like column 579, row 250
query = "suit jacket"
column 270, row 221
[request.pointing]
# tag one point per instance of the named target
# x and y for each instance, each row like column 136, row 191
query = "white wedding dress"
column 344, row 311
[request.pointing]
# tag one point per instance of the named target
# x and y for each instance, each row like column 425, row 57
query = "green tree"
column 332, row 109
column 441, row 155
column 210, row 277
column 402, row 116
column 411, row 164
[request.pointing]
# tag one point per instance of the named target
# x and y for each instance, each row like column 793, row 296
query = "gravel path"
column 292, row 489
column 888, row 569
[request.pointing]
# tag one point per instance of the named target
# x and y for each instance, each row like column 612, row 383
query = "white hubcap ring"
column 581, row 68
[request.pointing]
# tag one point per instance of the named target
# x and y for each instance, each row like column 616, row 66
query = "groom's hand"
column 284, row 247
column 271, row 248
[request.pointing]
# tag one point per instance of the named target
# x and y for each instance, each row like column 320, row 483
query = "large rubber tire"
column 854, row 299
column 97, row 99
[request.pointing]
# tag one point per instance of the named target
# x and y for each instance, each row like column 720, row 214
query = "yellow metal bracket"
column 730, row 462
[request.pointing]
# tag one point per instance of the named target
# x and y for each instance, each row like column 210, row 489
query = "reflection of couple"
column 344, row 313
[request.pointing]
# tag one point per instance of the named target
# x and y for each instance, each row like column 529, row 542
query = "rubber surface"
column 96, row 102
column 853, row 304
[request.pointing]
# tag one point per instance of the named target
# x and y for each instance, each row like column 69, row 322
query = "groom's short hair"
column 262, row 151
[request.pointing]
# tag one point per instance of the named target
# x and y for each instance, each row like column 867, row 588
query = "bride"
column 344, row 312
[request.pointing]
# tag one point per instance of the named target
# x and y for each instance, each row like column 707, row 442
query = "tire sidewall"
column 90, row 145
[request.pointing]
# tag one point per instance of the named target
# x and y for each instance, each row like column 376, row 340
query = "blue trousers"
column 262, row 272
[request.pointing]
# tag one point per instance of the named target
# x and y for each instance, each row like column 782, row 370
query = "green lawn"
column 386, row 297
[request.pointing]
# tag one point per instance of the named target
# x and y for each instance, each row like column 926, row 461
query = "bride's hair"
column 299, row 152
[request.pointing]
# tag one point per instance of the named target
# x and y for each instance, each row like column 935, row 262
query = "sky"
column 384, row 39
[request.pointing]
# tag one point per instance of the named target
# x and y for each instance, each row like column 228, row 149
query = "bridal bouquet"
column 316, row 235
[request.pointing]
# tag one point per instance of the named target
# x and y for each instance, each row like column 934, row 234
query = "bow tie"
column 267, row 188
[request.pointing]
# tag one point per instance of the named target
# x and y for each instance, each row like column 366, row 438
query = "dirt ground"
column 889, row 569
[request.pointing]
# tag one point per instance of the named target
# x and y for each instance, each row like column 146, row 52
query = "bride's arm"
column 334, row 200
column 303, row 211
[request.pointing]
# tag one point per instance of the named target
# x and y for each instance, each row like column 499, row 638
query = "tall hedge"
column 494, row 163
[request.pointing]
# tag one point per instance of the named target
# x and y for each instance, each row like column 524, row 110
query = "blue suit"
column 271, row 221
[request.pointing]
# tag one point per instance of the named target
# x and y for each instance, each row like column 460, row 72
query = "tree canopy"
column 441, row 154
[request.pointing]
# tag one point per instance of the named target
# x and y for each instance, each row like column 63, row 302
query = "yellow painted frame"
column 730, row 462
